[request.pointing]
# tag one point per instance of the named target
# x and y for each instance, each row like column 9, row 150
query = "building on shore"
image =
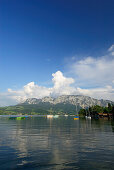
column 102, row 115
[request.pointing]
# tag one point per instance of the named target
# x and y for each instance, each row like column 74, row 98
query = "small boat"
column 65, row 115
column 77, row 116
column 49, row 116
column 20, row 118
column 26, row 116
column 55, row 116
column 88, row 116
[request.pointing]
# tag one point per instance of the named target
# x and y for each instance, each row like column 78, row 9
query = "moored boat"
column 66, row 115
column 88, row 117
column 20, row 118
column 55, row 116
column 49, row 116
column 77, row 115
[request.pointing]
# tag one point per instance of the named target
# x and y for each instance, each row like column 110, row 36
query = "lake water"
column 61, row 143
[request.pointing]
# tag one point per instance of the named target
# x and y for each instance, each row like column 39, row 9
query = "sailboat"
column 89, row 116
column 86, row 114
column 77, row 116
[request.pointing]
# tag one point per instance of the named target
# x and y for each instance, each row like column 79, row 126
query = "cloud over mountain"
column 61, row 85
column 97, row 73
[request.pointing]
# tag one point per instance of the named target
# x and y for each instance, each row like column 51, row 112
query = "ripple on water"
column 39, row 143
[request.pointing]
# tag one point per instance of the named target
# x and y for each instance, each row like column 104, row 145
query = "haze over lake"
column 61, row 143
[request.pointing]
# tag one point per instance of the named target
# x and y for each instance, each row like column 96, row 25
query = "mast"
column 76, row 110
column 89, row 111
column 89, row 114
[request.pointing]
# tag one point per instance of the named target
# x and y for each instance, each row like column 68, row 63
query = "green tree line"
column 94, row 110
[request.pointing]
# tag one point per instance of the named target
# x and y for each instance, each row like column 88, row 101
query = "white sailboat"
column 77, row 116
column 88, row 116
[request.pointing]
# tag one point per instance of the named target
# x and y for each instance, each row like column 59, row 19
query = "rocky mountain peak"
column 79, row 100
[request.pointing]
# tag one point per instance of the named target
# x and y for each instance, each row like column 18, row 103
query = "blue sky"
column 41, row 37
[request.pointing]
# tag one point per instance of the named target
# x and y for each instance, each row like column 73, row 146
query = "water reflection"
column 61, row 143
column 112, row 124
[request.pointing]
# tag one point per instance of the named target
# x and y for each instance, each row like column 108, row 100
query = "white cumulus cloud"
column 106, row 92
column 61, row 85
column 111, row 48
column 97, row 73
column 91, row 72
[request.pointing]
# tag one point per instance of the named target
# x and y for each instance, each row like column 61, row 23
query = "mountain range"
column 79, row 100
column 69, row 104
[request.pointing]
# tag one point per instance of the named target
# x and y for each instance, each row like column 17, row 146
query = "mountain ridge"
column 80, row 100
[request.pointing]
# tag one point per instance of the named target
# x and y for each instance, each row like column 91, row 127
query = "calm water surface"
column 61, row 143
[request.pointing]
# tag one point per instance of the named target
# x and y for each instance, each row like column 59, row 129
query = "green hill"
column 41, row 108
